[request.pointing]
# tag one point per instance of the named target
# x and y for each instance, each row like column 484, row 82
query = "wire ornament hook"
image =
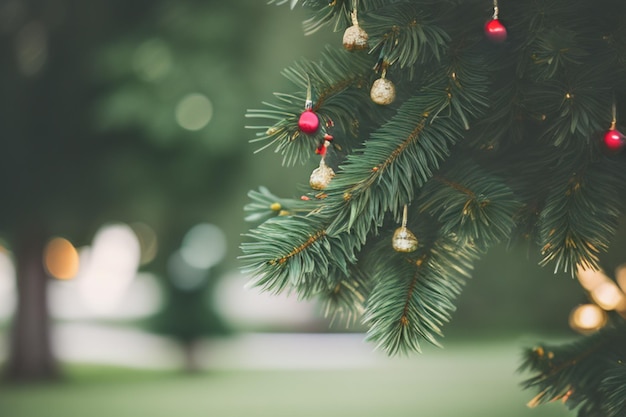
column 495, row 9
column 613, row 116
column 405, row 215
column 308, row 103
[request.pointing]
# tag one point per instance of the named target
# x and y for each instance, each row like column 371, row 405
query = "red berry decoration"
column 309, row 122
column 495, row 31
column 614, row 140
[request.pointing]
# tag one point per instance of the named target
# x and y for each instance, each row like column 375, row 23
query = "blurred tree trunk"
column 30, row 350
column 190, row 356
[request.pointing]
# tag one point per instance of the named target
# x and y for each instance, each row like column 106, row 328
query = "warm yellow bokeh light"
column 587, row 318
column 61, row 259
column 620, row 276
column 607, row 295
column 590, row 278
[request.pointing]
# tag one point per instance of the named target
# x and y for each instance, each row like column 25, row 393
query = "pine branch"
column 405, row 152
column 345, row 301
column 581, row 215
column 406, row 35
column 339, row 99
column 335, row 13
column 414, row 296
column 583, row 374
column 265, row 205
column 483, row 141
column 479, row 208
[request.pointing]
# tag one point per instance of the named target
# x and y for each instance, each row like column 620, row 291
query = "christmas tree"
column 441, row 129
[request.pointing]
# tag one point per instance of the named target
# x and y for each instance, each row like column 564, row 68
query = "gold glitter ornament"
column 321, row 176
column 403, row 239
column 355, row 37
column 383, row 91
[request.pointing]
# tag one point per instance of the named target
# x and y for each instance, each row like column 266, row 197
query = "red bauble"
column 309, row 122
column 495, row 31
column 614, row 140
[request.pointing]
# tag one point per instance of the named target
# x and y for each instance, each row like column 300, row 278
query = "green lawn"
column 464, row 380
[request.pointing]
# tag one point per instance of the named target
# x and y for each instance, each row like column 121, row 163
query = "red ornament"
column 308, row 122
column 495, row 31
column 614, row 140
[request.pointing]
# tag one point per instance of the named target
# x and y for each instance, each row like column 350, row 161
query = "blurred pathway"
column 129, row 347
column 134, row 348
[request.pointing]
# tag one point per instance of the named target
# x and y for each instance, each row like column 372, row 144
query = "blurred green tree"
column 113, row 110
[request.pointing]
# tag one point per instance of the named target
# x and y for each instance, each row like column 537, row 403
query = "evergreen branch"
column 581, row 215
column 614, row 390
column 336, row 82
column 292, row 251
column 406, row 35
column 414, row 297
column 335, row 13
column 399, row 165
column 397, row 159
column 476, row 206
column 583, row 374
column 554, row 51
column 265, row 205
column 296, row 250
column 402, row 155
column 575, row 109
column 345, row 300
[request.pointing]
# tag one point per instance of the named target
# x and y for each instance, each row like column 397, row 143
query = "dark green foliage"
column 486, row 143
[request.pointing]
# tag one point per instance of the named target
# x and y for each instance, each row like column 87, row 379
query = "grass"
column 465, row 380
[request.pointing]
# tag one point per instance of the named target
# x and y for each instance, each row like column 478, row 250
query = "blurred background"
column 124, row 167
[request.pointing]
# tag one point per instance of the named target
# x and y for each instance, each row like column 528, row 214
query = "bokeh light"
column 194, row 111
column 607, row 295
column 243, row 306
column 183, row 275
column 587, row 318
column 590, row 278
column 148, row 242
column 7, row 284
column 203, row 246
column 61, row 259
column 620, row 276
column 110, row 266
column 142, row 298
column 152, row 60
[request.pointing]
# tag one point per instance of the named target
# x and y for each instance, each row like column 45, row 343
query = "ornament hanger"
column 353, row 13
column 405, row 215
column 308, row 102
column 613, row 116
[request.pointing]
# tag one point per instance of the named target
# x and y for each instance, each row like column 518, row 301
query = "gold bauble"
column 383, row 92
column 404, row 240
column 355, row 38
column 321, row 176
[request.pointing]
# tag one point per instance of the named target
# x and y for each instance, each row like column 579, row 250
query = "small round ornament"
column 404, row 240
column 383, row 92
column 614, row 140
column 321, row 176
column 355, row 38
column 308, row 122
column 495, row 31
